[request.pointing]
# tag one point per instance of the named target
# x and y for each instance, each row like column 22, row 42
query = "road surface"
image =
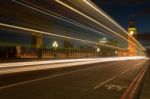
column 107, row 80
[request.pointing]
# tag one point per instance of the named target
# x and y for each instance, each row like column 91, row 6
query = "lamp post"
column 98, row 51
column 116, row 52
column 55, row 46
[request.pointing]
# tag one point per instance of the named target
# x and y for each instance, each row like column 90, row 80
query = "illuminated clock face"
column 131, row 32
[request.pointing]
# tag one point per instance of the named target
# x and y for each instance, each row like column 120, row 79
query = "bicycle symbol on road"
column 115, row 87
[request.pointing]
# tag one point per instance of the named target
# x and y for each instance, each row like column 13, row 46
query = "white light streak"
column 58, row 17
column 100, row 11
column 65, row 61
column 57, row 35
column 64, row 4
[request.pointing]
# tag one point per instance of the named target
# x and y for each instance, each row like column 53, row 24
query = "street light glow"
column 116, row 52
column 55, row 44
column 98, row 49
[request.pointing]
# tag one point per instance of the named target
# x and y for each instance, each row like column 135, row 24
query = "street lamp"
column 55, row 46
column 116, row 52
column 98, row 49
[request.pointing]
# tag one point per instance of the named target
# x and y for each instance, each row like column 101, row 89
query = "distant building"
column 68, row 43
column 132, row 50
column 144, row 39
column 37, row 40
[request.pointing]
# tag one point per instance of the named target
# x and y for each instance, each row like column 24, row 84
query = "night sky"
column 122, row 10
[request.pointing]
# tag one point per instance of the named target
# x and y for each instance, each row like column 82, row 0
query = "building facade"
column 132, row 50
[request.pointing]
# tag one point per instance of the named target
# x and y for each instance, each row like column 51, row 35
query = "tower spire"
column 132, row 50
column 132, row 22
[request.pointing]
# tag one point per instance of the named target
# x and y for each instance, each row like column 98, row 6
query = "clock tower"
column 132, row 50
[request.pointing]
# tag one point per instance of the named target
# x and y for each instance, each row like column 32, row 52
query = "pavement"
column 102, row 80
column 145, row 93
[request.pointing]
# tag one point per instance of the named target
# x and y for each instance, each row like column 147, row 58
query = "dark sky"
column 122, row 10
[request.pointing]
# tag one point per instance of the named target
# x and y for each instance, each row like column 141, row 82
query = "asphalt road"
column 109, row 80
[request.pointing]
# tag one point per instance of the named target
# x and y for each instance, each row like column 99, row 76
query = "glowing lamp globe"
column 131, row 32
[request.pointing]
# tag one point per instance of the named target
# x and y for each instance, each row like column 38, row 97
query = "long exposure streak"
column 60, row 2
column 62, row 36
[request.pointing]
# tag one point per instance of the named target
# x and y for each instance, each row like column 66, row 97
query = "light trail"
column 65, row 62
column 19, row 64
column 113, row 21
column 100, row 11
column 66, row 5
column 59, row 17
column 49, row 66
column 77, row 24
column 57, row 35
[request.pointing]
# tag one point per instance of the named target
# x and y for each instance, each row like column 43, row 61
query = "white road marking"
column 126, row 71
column 61, row 74
column 117, row 75
column 101, row 84
column 49, row 77
column 115, row 87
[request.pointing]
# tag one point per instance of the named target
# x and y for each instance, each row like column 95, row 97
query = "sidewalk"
column 145, row 93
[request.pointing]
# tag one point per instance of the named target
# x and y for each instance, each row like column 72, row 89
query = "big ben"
column 132, row 50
